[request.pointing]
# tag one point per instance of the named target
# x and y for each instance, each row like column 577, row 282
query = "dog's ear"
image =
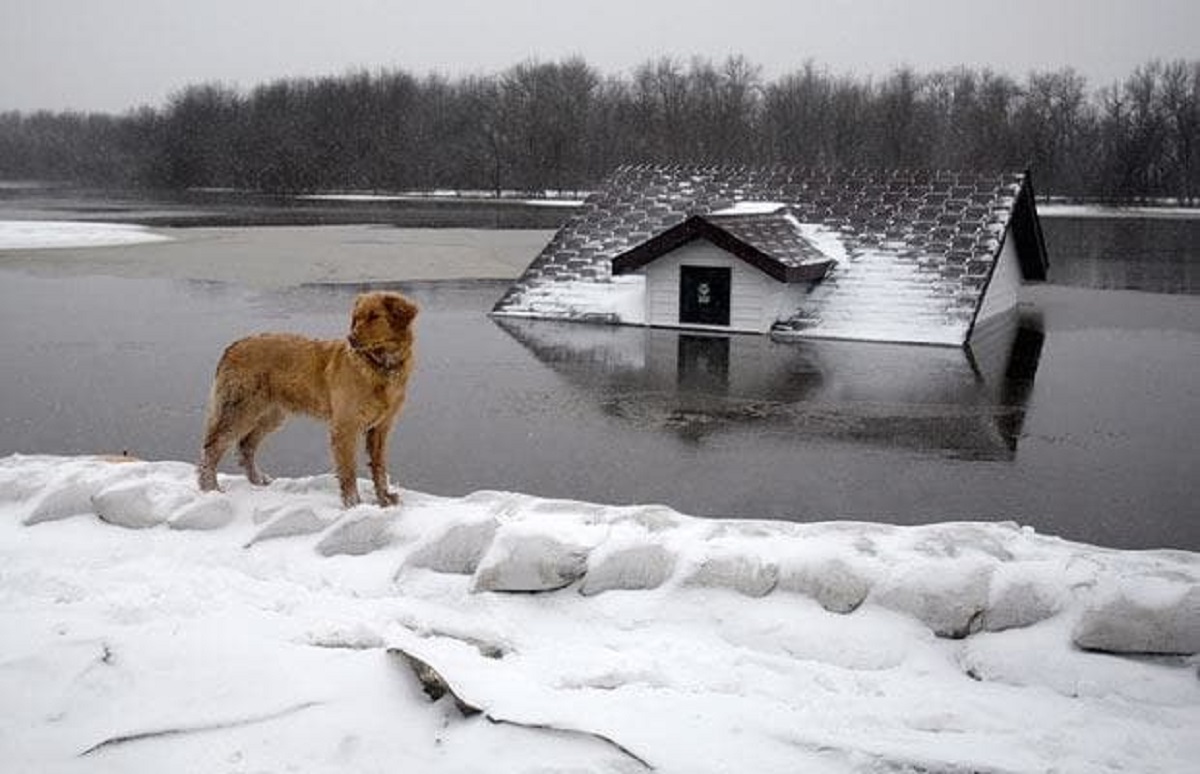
column 401, row 310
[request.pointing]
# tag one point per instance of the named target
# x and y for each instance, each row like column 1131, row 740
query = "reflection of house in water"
column 967, row 403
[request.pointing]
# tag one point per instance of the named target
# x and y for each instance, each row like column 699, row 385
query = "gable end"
column 698, row 227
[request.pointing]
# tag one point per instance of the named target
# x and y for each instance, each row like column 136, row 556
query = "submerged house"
column 915, row 257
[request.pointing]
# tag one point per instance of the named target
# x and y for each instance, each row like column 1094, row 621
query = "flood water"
column 1079, row 418
column 1157, row 255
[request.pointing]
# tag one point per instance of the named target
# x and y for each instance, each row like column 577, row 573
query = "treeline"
column 564, row 125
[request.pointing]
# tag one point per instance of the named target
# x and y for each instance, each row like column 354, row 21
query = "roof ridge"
column 821, row 170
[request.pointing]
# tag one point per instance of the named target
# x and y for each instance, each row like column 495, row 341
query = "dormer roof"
column 767, row 237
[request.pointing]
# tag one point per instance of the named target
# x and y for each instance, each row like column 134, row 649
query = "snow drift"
column 40, row 234
column 146, row 625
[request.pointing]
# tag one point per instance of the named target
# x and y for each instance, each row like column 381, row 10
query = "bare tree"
column 563, row 125
column 1181, row 110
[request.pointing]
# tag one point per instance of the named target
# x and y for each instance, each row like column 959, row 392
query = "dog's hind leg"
column 220, row 430
column 207, row 469
column 248, row 445
column 216, row 443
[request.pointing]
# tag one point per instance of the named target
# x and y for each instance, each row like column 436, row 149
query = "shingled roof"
column 914, row 251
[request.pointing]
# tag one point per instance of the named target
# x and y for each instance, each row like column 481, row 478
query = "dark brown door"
column 704, row 295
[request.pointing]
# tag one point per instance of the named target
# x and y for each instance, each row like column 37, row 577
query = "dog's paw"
column 387, row 498
column 208, row 482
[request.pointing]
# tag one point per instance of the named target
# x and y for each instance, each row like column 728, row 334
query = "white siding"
column 1001, row 294
column 755, row 298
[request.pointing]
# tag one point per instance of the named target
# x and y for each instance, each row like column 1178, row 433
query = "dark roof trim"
column 697, row 227
column 1027, row 231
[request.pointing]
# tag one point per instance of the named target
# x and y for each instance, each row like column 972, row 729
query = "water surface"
column 1078, row 419
column 1155, row 254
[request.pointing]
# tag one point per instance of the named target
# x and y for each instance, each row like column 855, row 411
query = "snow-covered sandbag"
column 353, row 636
column 1025, row 593
column 651, row 518
column 630, row 566
column 955, row 540
column 458, row 550
column 948, row 595
column 831, row 581
column 358, row 532
column 23, row 477
column 291, row 520
column 1142, row 615
column 1042, row 655
column 325, row 485
column 742, row 572
column 211, row 511
column 63, row 500
column 502, row 505
column 525, row 560
column 70, row 493
column 141, row 504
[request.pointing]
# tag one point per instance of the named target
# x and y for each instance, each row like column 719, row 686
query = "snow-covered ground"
column 37, row 234
column 147, row 627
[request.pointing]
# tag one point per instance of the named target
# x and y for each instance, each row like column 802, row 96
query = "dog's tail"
column 217, row 420
column 224, row 401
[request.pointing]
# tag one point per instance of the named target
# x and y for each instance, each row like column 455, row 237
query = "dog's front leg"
column 343, row 438
column 377, row 438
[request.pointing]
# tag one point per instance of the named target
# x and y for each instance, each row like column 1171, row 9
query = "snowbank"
column 39, row 234
column 146, row 626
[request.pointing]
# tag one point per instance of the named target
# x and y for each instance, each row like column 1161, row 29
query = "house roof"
column 769, row 241
column 914, row 250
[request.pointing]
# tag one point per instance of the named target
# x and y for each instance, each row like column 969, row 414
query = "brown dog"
column 357, row 385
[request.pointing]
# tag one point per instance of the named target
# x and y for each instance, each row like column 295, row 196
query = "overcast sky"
column 114, row 55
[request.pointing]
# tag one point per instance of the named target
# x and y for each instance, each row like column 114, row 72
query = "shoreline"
column 1068, row 210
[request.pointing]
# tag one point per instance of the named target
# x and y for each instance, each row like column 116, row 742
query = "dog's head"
column 381, row 328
